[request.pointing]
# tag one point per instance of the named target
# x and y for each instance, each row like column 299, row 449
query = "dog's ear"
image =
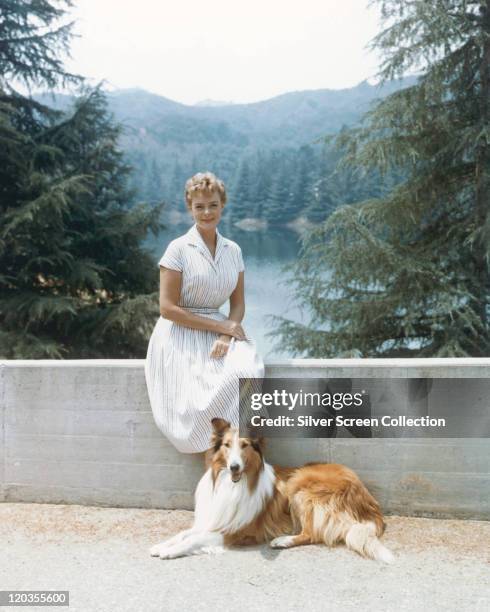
column 220, row 426
column 257, row 441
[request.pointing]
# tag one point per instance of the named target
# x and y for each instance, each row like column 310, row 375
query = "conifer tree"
column 179, row 177
column 324, row 200
column 74, row 281
column 302, row 188
column 242, row 200
column 33, row 42
column 154, row 185
column 262, row 187
column 325, row 192
column 280, row 210
column 407, row 273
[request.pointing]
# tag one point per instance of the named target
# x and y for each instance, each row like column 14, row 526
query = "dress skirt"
column 188, row 388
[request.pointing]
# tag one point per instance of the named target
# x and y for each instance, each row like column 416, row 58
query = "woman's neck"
column 209, row 236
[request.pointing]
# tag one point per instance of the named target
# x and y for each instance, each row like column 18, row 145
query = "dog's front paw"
column 282, row 542
column 168, row 554
column 157, row 549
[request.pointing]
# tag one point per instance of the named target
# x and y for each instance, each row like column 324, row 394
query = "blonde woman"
column 196, row 354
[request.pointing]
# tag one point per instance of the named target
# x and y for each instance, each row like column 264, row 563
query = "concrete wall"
column 82, row 432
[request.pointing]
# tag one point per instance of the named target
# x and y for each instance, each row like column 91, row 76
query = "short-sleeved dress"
column 187, row 387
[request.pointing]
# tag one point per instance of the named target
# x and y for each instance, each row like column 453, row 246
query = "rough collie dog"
column 241, row 499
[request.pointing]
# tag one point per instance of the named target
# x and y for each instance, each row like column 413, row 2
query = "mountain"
column 293, row 118
column 212, row 103
column 245, row 144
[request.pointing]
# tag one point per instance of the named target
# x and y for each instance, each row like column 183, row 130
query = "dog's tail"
column 362, row 538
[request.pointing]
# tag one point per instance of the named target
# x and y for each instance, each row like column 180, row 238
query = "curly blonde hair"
column 205, row 182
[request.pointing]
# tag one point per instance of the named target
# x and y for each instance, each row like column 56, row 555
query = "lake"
column 266, row 254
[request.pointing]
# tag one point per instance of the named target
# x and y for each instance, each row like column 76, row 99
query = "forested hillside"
column 271, row 154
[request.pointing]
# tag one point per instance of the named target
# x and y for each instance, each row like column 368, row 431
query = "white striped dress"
column 187, row 387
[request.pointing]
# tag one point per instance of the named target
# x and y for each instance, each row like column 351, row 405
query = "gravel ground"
column 101, row 556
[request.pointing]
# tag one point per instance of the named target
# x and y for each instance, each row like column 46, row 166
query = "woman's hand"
column 220, row 346
column 232, row 328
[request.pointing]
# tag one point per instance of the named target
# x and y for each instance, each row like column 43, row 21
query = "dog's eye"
column 227, row 444
column 244, row 444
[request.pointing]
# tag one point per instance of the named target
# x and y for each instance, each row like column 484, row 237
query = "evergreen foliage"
column 407, row 272
column 281, row 207
column 74, row 281
column 302, row 180
column 256, row 185
column 281, row 185
column 33, row 43
column 241, row 208
column 262, row 186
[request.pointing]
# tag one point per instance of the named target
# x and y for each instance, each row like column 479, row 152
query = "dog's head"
column 238, row 455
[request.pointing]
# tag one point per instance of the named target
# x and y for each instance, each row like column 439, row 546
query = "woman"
column 196, row 354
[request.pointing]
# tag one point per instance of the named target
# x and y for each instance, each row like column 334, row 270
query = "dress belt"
column 204, row 310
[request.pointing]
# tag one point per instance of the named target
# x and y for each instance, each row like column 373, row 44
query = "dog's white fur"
column 225, row 504
column 224, row 508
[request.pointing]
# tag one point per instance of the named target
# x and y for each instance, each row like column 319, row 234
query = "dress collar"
column 195, row 238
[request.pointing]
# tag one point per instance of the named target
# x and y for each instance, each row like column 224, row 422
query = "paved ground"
column 101, row 556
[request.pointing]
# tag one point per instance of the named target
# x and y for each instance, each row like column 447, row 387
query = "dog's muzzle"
column 236, row 473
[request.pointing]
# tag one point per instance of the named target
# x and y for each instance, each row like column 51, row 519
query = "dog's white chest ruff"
column 320, row 503
column 229, row 506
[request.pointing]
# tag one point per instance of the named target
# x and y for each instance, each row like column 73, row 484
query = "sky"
column 193, row 50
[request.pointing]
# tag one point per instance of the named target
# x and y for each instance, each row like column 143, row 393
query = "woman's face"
column 206, row 210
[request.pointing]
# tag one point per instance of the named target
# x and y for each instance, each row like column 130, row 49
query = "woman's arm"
column 237, row 300
column 237, row 312
column 170, row 287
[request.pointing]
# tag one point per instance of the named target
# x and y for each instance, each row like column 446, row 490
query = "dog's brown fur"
column 319, row 502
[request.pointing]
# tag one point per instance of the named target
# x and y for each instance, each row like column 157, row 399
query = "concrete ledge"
column 82, row 432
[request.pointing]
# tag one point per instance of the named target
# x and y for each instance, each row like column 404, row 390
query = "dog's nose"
column 234, row 467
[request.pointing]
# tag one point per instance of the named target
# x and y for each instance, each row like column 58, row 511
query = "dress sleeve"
column 172, row 258
column 241, row 265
